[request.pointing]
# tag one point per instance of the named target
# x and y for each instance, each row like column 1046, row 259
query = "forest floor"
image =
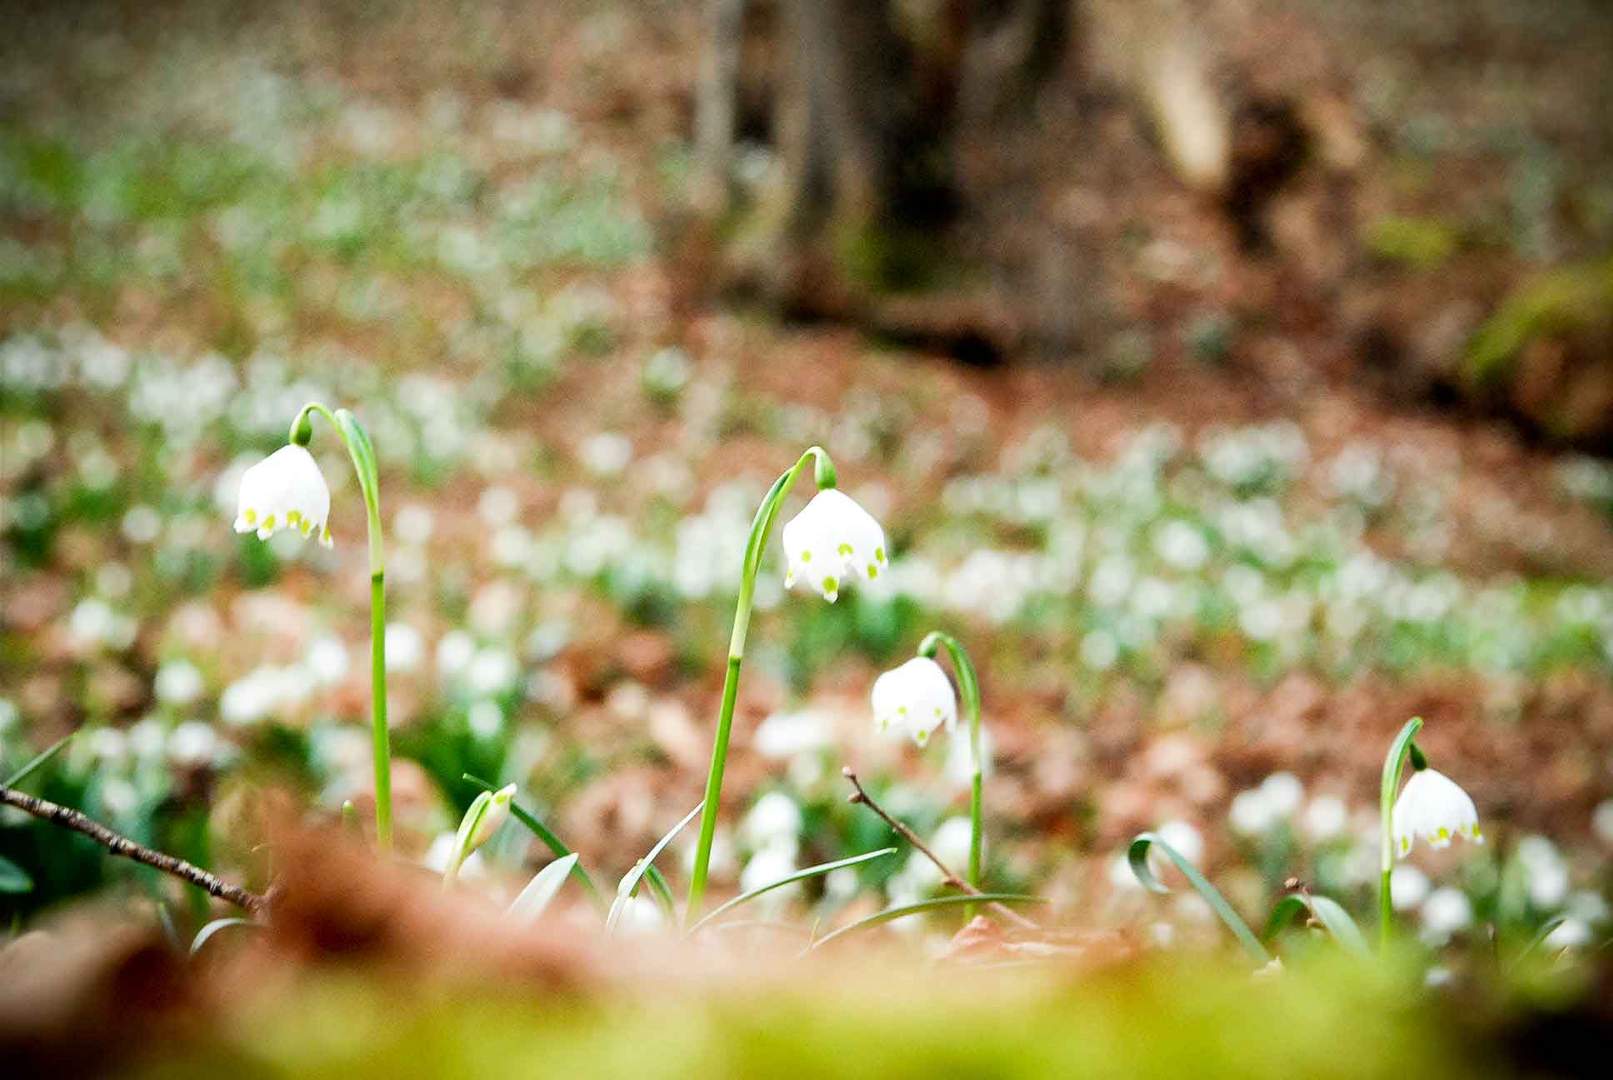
column 1213, row 548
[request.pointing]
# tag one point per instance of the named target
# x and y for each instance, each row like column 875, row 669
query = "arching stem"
column 362, row 452
column 761, row 526
column 1394, row 764
column 969, row 690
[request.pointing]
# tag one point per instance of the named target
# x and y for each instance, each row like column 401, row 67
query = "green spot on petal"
column 879, row 554
column 250, row 517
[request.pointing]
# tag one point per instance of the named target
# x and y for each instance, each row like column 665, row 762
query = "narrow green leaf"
column 38, row 761
column 662, row 891
column 543, row 887
column 543, row 833
column 1538, row 941
column 922, row 906
column 205, row 934
column 799, row 875
column 629, row 883
column 1326, row 911
column 1137, row 855
column 13, row 878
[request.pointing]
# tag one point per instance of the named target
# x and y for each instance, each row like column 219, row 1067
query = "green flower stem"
column 359, row 448
column 969, row 689
column 1393, row 766
column 761, row 526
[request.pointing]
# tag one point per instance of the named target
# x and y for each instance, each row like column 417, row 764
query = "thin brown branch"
column 118, row 844
column 948, row 878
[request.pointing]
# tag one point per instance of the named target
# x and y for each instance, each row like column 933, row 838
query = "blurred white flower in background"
column 178, row 682
column 404, row 647
column 788, row 734
column 914, row 700
column 1446, row 911
column 1326, row 818
column 194, row 743
column 775, row 821
column 95, row 624
column 327, row 660
column 1602, row 821
column 285, row 490
column 767, row 865
column 1545, row 872
column 1184, row 837
column 1258, row 810
column 830, row 541
column 1432, row 806
column 1408, row 886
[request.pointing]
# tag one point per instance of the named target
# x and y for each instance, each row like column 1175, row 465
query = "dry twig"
column 118, row 844
column 948, row 878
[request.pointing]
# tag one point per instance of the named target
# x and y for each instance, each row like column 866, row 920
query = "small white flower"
column 915, row 699
column 496, row 814
column 284, row 491
column 830, row 541
column 1433, row 807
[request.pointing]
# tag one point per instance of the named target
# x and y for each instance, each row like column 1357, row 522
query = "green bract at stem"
column 464, row 838
column 761, row 527
column 969, row 690
column 1394, row 764
column 360, row 449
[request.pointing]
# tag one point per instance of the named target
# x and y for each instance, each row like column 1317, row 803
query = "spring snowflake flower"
column 496, row 814
column 1433, row 807
column 832, row 540
column 285, row 491
column 915, row 699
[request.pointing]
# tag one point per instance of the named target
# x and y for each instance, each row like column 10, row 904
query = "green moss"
column 1419, row 243
column 1563, row 301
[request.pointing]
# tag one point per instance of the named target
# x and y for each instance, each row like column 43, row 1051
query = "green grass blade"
column 38, row 761
column 205, row 934
column 1137, row 855
column 1326, row 911
column 662, row 891
column 543, row 833
column 542, row 889
column 799, row 875
column 630, row 881
column 13, row 878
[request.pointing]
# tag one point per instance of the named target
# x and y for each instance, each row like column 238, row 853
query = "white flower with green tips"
column 1434, row 807
column 831, row 541
column 915, row 700
column 285, row 490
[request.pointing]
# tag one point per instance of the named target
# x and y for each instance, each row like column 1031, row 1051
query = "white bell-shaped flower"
column 1434, row 807
column 830, row 541
column 914, row 700
column 284, row 491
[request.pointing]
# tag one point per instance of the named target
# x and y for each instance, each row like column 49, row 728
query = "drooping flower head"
column 1432, row 806
column 914, row 700
column 830, row 541
column 284, row 491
